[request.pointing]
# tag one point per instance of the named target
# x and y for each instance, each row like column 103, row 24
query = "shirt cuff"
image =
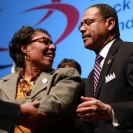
column 114, row 119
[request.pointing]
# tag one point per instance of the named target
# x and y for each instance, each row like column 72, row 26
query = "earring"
column 27, row 57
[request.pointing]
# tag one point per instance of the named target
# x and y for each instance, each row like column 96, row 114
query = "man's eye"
column 88, row 22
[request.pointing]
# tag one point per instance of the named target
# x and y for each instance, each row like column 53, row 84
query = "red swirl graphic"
column 69, row 11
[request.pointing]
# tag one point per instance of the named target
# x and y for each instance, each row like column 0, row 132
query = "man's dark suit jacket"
column 118, row 91
column 8, row 114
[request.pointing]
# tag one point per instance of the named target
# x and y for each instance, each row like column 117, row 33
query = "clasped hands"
column 30, row 116
column 92, row 109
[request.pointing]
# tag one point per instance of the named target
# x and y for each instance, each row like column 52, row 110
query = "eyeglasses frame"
column 43, row 40
column 88, row 22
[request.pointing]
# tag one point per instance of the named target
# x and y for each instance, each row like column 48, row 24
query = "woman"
column 33, row 52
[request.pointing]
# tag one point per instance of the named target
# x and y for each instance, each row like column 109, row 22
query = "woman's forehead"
column 39, row 34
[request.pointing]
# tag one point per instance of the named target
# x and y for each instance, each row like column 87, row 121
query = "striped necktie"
column 97, row 70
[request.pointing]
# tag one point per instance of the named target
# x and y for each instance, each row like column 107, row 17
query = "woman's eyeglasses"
column 43, row 40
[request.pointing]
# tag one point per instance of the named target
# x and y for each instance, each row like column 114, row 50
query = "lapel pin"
column 44, row 80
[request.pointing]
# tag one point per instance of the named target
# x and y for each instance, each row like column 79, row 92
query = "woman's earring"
column 27, row 57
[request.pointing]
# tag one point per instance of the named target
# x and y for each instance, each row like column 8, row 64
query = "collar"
column 105, row 49
column 35, row 74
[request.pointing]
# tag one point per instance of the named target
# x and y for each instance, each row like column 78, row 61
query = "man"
column 108, row 105
column 11, row 113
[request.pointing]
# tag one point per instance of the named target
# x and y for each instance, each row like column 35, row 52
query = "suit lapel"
column 41, row 83
column 10, row 87
column 107, row 64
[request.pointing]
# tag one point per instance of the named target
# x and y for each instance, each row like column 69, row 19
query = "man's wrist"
column 109, row 111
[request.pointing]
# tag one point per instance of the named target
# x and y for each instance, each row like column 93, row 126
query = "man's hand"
column 93, row 110
column 30, row 116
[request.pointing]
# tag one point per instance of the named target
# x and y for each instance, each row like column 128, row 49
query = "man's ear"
column 110, row 23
